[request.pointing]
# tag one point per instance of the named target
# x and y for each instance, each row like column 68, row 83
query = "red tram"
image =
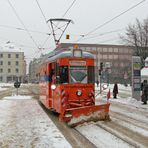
column 67, row 86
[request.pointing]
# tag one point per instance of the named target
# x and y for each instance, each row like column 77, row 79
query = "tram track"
column 125, row 134
column 130, row 120
column 75, row 138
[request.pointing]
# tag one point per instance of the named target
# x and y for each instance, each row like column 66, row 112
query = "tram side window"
column 51, row 74
column 63, row 74
column 91, row 74
column 57, row 79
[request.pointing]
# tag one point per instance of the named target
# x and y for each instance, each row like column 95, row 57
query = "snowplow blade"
column 76, row 116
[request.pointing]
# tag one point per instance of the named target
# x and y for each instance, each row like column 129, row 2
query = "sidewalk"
column 23, row 124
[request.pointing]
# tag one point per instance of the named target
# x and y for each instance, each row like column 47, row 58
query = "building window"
column 105, row 50
column 110, row 56
column 115, row 49
column 121, row 50
column 1, row 62
column 9, row 63
column 115, row 56
column 1, row 79
column 116, row 64
column 1, row 55
column 9, row 55
column 9, row 79
column 9, row 70
column 16, row 63
column 121, row 64
column 17, row 55
column 125, row 50
column 16, row 70
column 1, row 70
column 110, row 49
column 105, row 56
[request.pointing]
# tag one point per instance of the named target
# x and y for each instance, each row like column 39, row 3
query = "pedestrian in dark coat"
column 144, row 96
column 115, row 90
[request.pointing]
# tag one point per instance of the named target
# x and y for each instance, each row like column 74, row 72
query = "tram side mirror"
column 57, row 79
column 53, row 86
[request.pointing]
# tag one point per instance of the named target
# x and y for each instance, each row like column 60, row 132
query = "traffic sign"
column 17, row 84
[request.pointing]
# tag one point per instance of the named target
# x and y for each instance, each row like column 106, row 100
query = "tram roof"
column 65, row 54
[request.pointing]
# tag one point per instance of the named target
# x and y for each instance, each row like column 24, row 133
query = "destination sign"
column 77, row 63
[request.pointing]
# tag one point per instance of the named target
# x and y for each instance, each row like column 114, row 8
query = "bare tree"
column 137, row 37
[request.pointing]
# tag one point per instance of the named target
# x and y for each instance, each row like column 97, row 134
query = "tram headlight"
column 79, row 92
column 53, row 86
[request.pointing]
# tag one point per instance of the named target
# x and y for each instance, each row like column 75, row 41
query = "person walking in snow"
column 115, row 90
column 144, row 96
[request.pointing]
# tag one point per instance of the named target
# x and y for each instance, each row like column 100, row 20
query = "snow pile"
column 17, row 97
column 2, row 89
column 24, row 124
column 5, row 86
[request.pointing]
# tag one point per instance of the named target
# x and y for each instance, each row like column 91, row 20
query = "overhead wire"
column 69, row 8
column 112, row 19
column 43, row 14
column 111, row 39
column 15, row 12
column 102, row 34
column 21, row 29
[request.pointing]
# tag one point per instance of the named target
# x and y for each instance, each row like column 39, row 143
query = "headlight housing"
column 79, row 92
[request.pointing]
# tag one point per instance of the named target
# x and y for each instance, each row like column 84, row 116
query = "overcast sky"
column 86, row 15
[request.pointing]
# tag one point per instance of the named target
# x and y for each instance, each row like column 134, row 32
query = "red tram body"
column 67, row 86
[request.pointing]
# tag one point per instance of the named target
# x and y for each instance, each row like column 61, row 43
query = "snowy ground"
column 127, row 99
column 24, row 124
column 5, row 86
column 123, row 106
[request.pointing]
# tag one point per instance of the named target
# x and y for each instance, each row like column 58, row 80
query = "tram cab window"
column 63, row 74
column 51, row 74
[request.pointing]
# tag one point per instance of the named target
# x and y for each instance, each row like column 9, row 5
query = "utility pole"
column 97, row 67
column 100, row 73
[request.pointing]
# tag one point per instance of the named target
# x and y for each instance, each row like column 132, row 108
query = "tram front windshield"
column 78, row 74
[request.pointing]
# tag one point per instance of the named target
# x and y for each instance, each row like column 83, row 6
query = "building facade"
column 33, row 70
column 12, row 64
column 34, row 67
